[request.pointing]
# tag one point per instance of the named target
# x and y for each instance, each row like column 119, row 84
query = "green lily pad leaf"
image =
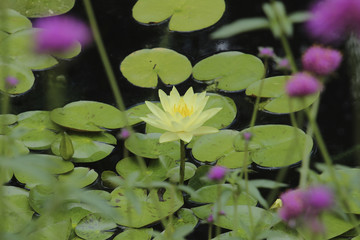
column 262, row 219
column 141, row 110
column 219, row 147
column 159, row 203
column 14, row 21
column 70, row 53
column 79, row 177
column 147, row 145
column 6, row 174
column 8, row 119
column 44, row 8
column 106, row 179
column 279, row 102
column 275, row 145
column 56, row 166
column 197, row 181
column 143, row 67
column 185, row 15
column 38, row 197
column 36, row 130
column 20, row 47
column 141, row 234
column 55, row 231
column 88, row 116
column 208, row 194
column 226, row 115
column 3, row 35
column 95, row 227
column 10, row 147
column 173, row 174
column 22, row 74
column 156, row 170
column 88, row 147
column 230, row 71
column 16, row 209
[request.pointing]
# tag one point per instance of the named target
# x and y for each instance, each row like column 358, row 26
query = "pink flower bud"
column 266, row 52
column 293, row 204
column 210, row 219
column 319, row 198
column 217, row 173
column 302, row 84
column 11, row 81
column 321, row 61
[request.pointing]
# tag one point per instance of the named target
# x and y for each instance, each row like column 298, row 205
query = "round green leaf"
column 88, row 116
column 229, row 71
column 44, row 8
column 88, row 147
column 219, row 147
column 173, row 174
column 186, row 15
column 95, row 227
column 141, row 110
column 141, row 234
column 22, row 74
column 147, row 145
column 79, row 177
column 198, row 180
column 38, row 197
column 279, row 102
column 14, row 21
column 275, row 145
column 8, row 119
column 20, row 47
column 55, row 231
column 10, row 147
column 154, row 206
column 106, row 179
column 143, row 67
column 3, row 35
column 36, row 130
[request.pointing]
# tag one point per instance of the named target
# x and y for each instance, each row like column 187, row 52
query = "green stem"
column 182, row 162
column 217, row 213
column 210, row 231
column 288, row 52
column 246, row 177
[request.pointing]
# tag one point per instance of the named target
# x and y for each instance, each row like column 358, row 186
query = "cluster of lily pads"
column 50, row 192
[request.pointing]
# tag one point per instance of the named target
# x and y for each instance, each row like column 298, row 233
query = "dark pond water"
column 83, row 78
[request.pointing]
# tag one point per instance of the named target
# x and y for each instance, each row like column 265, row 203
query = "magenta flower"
column 333, row 20
column 283, row 64
column 319, row 198
column 302, row 84
column 210, row 219
column 293, row 204
column 266, row 52
column 11, row 81
column 217, row 173
column 321, row 61
column 124, row 134
column 60, row 33
column 247, row 136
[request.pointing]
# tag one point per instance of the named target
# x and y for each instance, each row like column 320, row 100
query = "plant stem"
column 246, row 177
column 182, row 162
column 218, row 207
column 210, row 231
column 288, row 52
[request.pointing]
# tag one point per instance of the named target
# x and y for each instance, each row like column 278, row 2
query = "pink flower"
column 333, row 20
column 124, row 134
column 266, row 52
column 302, row 84
column 210, row 219
column 321, row 61
column 319, row 198
column 217, row 173
column 283, row 64
column 60, row 34
column 293, row 204
column 11, row 81
column 247, row 136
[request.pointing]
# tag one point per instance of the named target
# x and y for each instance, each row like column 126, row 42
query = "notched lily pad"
column 186, row 15
column 88, row 116
column 79, row 177
column 278, row 101
column 8, row 119
column 141, row 110
column 229, row 71
column 11, row 147
column 143, row 67
column 14, row 21
column 142, row 233
column 95, row 227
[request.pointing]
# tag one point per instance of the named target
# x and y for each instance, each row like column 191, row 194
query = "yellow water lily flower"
column 181, row 117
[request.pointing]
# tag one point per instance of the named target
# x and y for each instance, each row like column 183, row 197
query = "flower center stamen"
column 183, row 109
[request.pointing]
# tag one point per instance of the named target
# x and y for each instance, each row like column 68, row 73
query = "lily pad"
column 275, row 145
column 37, row 8
column 142, row 233
column 278, row 101
column 186, row 15
column 88, row 116
column 155, row 205
column 88, row 147
column 143, row 67
column 229, row 71
column 147, row 145
column 8, row 119
column 10, row 147
column 54, row 231
column 16, row 209
column 39, row 196
column 95, row 227
column 219, row 147
column 14, row 21
column 141, row 110
column 173, row 174
column 20, row 47
column 22, row 74
column 79, row 177
column 36, row 130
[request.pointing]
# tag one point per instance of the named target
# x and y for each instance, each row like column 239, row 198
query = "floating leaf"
column 279, row 102
column 88, row 116
column 219, row 147
column 88, row 147
column 79, row 177
column 13, row 21
column 197, row 181
column 159, row 203
column 10, row 147
column 147, row 145
column 141, row 110
column 95, row 227
column 230, row 71
column 36, row 130
column 54, row 231
column 20, row 47
column 142, row 233
column 143, row 67
column 106, row 178
column 44, row 8
column 173, row 174
column 8, row 119
column 22, row 74
column 186, row 15
column 275, row 145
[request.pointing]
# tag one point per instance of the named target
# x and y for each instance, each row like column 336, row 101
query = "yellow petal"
column 168, row 137
column 153, row 121
column 164, row 99
column 157, row 111
column 174, row 97
column 185, row 136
